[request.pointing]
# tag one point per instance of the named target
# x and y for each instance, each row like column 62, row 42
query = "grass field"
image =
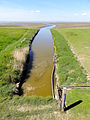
column 80, row 41
column 68, row 69
column 12, row 41
column 81, row 111
column 38, row 108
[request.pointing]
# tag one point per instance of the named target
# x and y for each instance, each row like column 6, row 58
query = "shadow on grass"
column 73, row 105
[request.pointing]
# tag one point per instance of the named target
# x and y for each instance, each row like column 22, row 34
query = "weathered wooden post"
column 60, row 96
column 53, row 89
column 63, row 98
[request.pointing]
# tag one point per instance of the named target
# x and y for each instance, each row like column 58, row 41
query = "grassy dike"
column 70, row 72
column 68, row 69
column 79, row 40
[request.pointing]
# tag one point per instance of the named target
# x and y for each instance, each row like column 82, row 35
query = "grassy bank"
column 14, row 45
column 21, row 108
column 38, row 108
column 68, row 69
column 80, row 41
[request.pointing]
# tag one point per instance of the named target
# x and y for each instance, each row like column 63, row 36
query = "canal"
column 40, row 69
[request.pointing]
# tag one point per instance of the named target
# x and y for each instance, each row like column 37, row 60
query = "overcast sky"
column 45, row 10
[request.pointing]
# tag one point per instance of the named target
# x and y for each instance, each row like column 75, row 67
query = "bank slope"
column 79, row 40
column 68, row 69
column 14, row 46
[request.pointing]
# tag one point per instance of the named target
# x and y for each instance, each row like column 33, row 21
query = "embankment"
column 24, row 70
column 68, row 69
column 13, row 56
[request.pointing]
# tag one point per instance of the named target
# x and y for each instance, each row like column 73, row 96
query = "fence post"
column 63, row 98
column 53, row 88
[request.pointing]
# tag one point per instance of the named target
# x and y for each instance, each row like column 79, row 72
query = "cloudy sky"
column 45, row 10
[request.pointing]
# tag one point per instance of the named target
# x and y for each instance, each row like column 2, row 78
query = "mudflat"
column 72, row 24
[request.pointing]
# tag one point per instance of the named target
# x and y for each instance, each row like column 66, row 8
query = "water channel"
column 39, row 82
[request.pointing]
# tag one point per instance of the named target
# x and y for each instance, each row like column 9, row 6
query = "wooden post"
column 53, row 89
column 60, row 96
column 63, row 98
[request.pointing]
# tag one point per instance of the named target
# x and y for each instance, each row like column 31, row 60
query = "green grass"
column 9, row 36
column 69, row 70
column 36, row 108
column 20, row 108
column 80, row 41
column 11, row 39
column 81, row 111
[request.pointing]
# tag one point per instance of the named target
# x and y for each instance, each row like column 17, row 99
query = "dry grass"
column 50, row 114
column 25, row 108
column 19, row 54
column 20, row 57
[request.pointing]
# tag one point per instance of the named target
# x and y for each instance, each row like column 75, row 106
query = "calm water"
column 39, row 82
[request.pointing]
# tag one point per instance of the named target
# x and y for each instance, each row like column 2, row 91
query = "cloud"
column 35, row 11
column 84, row 14
column 81, row 14
column 76, row 14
